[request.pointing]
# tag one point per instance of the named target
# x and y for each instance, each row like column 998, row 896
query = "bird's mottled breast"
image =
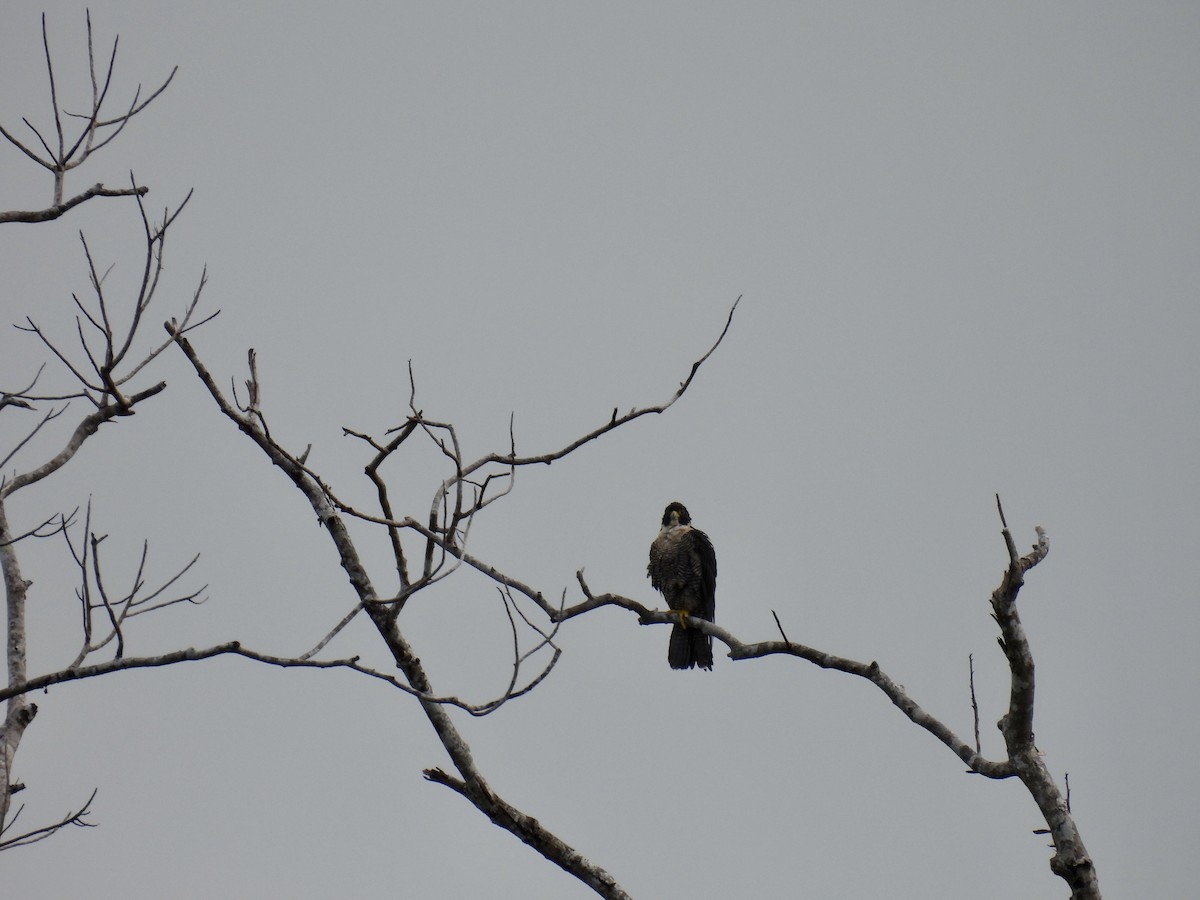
column 668, row 561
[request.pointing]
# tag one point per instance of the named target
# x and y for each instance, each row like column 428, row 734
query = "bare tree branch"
column 46, row 419
column 134, row 601
column 740, row 650
column 89, row 425
column 53, row 212
column 615, row 422
column 1071, row 861
column 974, row 702
column 61, row 159
column 235, row 648
column 102, row 366
column 333, row 632
column 38, row 834
column 532, row 833
column 445, row 530
column 38, row 531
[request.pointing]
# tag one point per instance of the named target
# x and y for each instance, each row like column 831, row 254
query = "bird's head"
column 676, row 514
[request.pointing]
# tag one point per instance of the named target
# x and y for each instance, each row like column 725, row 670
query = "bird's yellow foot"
column 683, row 617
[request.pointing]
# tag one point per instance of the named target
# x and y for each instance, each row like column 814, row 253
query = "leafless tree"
column 438, row 541
column 427, row 546
column 104, row 364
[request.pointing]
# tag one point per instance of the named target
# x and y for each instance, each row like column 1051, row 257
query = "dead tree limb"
column 95, row 132
column 77, row 818
column 1071, row 861
column 471, row 782
column 444, row 529
column 101, row 371
column 54, row 212
column 1022, row 760
column 229, row 648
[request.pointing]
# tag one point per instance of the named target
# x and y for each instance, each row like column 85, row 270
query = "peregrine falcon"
column 683, row 567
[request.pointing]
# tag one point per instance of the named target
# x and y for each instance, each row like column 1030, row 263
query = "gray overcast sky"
column 966, row 236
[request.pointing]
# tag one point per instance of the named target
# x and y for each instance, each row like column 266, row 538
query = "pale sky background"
column 967, row 241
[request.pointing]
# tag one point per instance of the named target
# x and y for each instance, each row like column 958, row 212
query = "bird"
column 683, row 567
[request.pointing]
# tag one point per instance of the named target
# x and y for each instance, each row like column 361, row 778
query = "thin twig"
column 974, row 703
column 779, row 625
column 38, row 834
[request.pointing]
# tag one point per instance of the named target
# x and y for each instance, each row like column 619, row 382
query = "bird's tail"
column 689, row 647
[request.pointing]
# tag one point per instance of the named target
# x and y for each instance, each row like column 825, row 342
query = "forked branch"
column 101, row 370
column 1022, row 760
column 469, row 487
column 445, row 530
column 100, row 605
column 94, row 132
column 76, row 818
column 616, row 421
